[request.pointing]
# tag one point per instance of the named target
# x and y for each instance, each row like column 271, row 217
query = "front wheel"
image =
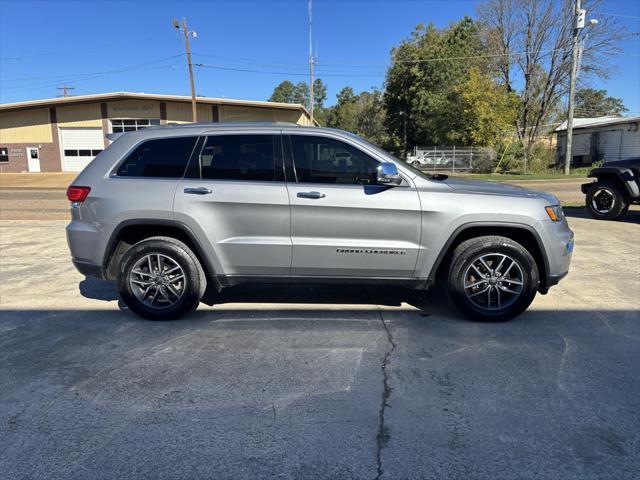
column 160, row 278
column 605, row 201
column 492, row 278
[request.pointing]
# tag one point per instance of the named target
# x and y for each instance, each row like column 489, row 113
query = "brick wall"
column 49, row 157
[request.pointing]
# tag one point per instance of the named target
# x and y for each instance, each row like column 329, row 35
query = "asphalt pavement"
column 319, row 382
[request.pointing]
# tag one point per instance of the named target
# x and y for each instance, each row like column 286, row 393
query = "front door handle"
column 311, row 195
column 198, row 190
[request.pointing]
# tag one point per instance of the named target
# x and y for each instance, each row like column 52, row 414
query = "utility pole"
column 65, row 90
column 311, row 62
column 578, row 17
column 187, row 34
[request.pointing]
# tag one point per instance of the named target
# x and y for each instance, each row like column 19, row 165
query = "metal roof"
column 148, row 96
column 596, row 122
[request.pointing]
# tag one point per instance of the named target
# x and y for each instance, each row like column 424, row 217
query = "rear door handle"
column 198, row 190
column 311, row 195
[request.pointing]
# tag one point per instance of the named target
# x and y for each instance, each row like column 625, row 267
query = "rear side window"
column 163, row 157
column 238, row 157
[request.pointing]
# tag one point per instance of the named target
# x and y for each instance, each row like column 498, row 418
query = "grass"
column 501, row 177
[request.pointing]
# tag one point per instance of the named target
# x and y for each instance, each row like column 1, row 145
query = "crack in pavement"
column 383, row 432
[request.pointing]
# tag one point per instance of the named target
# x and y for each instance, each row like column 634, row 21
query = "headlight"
column 555, row 213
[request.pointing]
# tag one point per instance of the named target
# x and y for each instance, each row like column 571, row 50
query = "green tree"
column 591, row 102
column 287, row 92
column 362, row 114
column 301, row 93
column 488, row 109
column 319, row 93
column 420, row 85
column 283, row 93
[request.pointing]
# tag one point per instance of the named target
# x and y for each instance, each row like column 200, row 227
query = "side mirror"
column 388, row 175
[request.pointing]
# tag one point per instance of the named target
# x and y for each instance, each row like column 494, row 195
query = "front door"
column 33, row 159
column 342, row 223
column 237, row 199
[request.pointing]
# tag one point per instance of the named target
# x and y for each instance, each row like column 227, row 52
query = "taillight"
column 77, row 194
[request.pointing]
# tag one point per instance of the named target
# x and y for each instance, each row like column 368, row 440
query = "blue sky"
column 102, row 46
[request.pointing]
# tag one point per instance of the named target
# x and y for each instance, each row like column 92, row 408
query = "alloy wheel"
column 157, row 281
column 603, row 200
column 493, row 281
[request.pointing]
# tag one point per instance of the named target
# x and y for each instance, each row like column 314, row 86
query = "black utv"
column 616, row 187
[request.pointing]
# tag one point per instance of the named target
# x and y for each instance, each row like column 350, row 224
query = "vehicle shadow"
column 288, row 294
column 632, row 216
column 97, row 289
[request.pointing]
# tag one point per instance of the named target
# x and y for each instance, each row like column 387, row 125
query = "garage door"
column 79, row 147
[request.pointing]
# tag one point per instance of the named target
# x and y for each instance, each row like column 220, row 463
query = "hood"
column 626, row 163
column 495, row 188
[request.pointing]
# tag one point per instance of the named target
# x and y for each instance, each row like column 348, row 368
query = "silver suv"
column 172, row 212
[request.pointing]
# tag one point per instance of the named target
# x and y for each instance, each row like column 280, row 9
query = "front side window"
column 325, row 160
column 163, row 157
column 238, row 157
column 120, row 125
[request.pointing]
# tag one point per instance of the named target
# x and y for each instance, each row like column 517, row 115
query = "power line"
column 617, row 15
column 369, row 65
column 65, row 90
column 62, row 52
column 248, row 70
column 70, row 79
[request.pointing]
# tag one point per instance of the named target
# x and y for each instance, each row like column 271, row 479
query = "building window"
column 120, row 125
column 81, row 153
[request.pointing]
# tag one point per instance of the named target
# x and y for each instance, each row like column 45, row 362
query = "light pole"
column 187, row 34
column 579, row 15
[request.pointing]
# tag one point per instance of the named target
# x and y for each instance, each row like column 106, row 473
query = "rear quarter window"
column 162, row 157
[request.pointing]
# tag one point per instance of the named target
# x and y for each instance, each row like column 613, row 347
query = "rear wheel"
column 492, row 278
column 605, row 201
column 416, row 164
column 160, row 278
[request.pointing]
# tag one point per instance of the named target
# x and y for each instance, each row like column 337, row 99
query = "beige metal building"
column 65, row 134
column 600, row 139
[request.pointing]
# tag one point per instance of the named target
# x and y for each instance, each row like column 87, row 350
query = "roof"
column 100, row 97
column 596, row 122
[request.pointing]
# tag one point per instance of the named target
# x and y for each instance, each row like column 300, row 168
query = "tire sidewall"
column 462, row 262
column 192, row 294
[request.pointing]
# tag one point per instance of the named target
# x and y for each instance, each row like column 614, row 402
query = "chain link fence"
column 452, row 159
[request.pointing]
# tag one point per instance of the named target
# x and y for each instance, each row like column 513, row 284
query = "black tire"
column 493, row 249
column 605, row 200
column 194, row 284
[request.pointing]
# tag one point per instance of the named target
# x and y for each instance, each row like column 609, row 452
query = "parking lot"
column 319, row 382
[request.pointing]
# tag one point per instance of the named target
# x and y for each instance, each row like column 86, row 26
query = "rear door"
column 235, row 197
column 342, row 223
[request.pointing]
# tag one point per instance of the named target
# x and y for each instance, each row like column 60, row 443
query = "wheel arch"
column 130, row 232
column 524, row 234
column 623, row 177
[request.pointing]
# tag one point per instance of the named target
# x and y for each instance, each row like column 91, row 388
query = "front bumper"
column 558, row 242
column 89, row 269
column 584, row 188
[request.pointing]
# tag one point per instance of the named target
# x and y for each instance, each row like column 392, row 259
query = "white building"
column 600, row 139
